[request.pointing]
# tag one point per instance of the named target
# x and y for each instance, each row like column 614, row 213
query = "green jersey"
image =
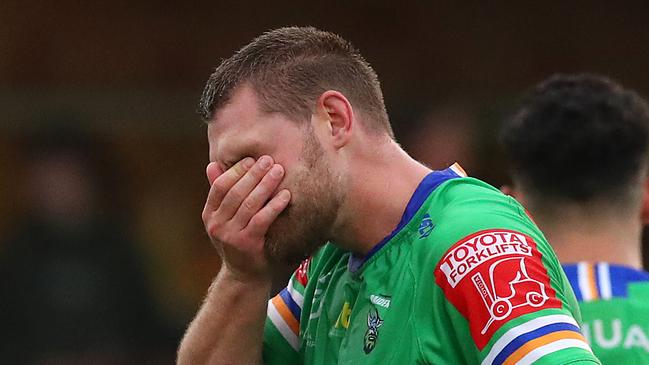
column 614, row 302
column 465, row 278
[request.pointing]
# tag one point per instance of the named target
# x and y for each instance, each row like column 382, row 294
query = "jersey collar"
column 424, row 189
column 602, row 280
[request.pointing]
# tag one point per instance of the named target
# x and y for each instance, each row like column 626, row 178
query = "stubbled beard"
column 305, row 225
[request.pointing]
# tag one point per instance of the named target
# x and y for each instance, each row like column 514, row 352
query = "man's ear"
column 338, row 116
column 644, row 210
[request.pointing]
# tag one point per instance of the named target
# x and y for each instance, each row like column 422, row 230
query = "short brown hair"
column 289, row 68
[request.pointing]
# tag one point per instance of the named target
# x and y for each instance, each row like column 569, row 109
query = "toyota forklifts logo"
column 493, row 276
column 473, row 251
column 500, row 301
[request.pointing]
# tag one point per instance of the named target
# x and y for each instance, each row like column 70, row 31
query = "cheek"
column 288, row 154
column 296, row 181
column 288, row 182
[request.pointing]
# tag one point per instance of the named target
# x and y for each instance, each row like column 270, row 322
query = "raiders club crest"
column 372, row 333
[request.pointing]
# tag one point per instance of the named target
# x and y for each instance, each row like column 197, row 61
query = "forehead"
column 239, row 111
column 241, row 123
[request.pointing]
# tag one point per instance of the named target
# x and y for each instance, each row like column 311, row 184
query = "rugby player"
column 578, row 150
column 403, row 264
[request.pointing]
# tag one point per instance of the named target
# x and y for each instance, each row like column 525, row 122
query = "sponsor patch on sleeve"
column 493, row 276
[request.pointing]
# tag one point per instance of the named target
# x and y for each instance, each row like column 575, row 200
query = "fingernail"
column 284, row 195
column 248, row 162
column 265, row 162
column 276, row 171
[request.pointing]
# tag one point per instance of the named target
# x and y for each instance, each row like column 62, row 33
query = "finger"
column 212, row 171
column 258, row 196
column 235, row 196
column 260, row 222
column 223, row 183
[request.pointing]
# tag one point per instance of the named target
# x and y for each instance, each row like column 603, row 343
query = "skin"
column 331, row 167
column 592, row 232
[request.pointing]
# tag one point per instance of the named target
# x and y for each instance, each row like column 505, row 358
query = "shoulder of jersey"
column 461, row 206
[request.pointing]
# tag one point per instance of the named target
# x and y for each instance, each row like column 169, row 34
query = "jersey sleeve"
column 282, row 328
column 505, row 296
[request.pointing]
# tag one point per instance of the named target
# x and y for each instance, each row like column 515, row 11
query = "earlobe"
column 339, row 117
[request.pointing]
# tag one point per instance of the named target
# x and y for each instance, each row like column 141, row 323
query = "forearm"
column 228, row 328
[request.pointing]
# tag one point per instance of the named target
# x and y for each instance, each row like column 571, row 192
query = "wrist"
column 236, row 277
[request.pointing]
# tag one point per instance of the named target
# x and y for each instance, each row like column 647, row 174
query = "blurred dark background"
column 102, row 157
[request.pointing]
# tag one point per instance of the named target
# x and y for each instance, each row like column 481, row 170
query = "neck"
column 593, row 234
column 379, row 191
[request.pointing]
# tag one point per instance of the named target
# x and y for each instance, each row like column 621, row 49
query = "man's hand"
column 238, row 213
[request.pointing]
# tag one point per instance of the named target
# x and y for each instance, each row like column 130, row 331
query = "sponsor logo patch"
column 493, row 276
column 301, row 272
column 343, row 317
column 426, row 226
column 380, row 300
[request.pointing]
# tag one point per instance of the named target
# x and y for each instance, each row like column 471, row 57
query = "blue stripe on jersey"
column 621, row 277
column 290, row 303
column 573, row 278
column 521, row 340
column 424, row 189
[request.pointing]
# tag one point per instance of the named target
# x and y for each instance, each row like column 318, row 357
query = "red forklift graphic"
column 500, row 299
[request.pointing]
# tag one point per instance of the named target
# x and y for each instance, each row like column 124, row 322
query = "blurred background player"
column 578, row 152
column 73, row 290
